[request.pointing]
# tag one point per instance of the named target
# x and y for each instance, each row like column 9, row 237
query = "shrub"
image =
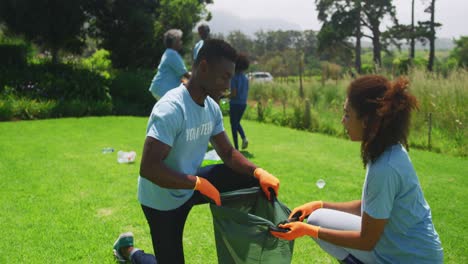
column 130, row 95
column 58, row 82
column 99, row 62
column 14, row 54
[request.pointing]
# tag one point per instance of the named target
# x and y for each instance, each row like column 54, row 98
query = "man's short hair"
column 214, row 50
column 204, row 27
column 242, row 62
column 171, row 36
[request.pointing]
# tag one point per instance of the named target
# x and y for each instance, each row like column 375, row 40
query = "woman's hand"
column 297, row 229
column 306, row 209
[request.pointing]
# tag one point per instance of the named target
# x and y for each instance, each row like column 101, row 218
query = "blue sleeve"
column 234, row 83
column 165, row 123
column 380, row 191
column 176, row 63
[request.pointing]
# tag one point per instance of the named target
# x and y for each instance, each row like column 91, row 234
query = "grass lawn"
column 63, row 201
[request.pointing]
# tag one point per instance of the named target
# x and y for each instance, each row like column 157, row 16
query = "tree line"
column 132, row 30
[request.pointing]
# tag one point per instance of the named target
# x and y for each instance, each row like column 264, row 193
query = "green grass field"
column 63, row 201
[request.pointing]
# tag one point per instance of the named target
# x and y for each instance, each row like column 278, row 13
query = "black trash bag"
column 241, row 227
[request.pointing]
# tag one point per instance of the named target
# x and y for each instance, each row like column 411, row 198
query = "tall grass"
column 439, row 125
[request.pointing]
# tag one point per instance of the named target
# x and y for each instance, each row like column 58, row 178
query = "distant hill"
column 225, row 22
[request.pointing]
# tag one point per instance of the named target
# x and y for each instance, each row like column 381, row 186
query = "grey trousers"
column 338, row 220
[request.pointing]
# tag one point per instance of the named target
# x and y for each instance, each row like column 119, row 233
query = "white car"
column 260, row 77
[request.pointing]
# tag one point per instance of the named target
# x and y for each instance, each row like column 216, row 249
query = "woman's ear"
column 364, row 121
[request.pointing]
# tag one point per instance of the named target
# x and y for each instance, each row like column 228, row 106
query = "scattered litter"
column 211, row 155
column 320, row 183
column 126, row 157
column 107, row 150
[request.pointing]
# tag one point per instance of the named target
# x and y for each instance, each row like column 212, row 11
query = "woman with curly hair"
column 392, row 221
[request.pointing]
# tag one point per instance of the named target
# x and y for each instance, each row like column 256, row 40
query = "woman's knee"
column 317, row 218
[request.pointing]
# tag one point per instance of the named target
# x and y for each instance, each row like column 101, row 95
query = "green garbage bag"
column 241, row 227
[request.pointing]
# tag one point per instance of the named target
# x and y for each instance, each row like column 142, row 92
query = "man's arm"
column 153, row 168
column 231, row 156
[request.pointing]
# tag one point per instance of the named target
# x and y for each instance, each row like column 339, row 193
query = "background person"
column 171, row 181
column 204, row 33
column 171, row 68
column 238, row 102
column 392, row 223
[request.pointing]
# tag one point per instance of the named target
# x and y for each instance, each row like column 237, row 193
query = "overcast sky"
column 453, row 14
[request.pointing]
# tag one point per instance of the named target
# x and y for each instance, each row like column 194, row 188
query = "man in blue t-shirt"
column 171, row 181
column 204, row 33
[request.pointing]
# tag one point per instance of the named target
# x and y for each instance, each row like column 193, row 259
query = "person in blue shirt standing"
column 171, row 69
column 392, row 222
column 238, row 101
column 171, row 181
column 204, row 33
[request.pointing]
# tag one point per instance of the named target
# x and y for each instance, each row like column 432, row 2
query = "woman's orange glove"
column 206, row 188
column 267, row 181
column 297, row 229
column 306, row 209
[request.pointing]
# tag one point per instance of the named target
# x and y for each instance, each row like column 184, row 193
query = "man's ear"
column 203, row 66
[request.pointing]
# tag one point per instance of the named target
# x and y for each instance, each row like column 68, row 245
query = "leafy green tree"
column 132, row 30
column 52, row 24
column 240, row 41
column 344, row 18
column 460, row 52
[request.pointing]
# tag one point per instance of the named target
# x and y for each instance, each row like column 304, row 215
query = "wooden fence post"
column 429, row 130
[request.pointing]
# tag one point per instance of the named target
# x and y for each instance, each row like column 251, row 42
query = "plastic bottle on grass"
column 126, row 157
column 107, row 150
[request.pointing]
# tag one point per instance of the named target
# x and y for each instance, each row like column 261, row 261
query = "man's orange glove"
column 266, row 181
column 206, row 188
column 306, row 209
column 297, row 229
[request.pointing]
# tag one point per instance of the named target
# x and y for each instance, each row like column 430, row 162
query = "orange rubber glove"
column 306, row 209
column 267, row 181
column 297, row 229
column 206, row 188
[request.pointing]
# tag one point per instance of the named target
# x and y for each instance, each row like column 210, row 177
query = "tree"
column 132, row 30
column 240, row 41
column 52, row 24
column 432, row 36
column 346, row 17
column 460, row 52
column 412, row 37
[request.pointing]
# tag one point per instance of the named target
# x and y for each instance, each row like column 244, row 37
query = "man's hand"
column 206, row 188
column 267, row 181
column 297, row 229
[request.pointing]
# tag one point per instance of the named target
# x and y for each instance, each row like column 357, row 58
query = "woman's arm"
column 365, row 239
column 352, row 207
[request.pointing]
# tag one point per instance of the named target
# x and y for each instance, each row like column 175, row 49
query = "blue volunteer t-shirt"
column 392, row 191
column 176, row 120
column 170, row 71
column 240, row 82
column 197, row 48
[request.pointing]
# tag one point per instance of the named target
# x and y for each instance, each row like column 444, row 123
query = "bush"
column 14, row 107
column 130, row 95
column 99, row 62
column 57, row 82
column 14, row 55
